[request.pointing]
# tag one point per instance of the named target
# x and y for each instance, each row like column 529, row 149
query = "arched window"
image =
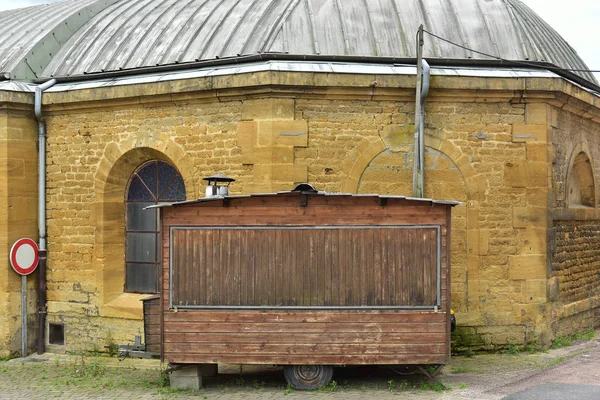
column 152, row 183
column 581, row 188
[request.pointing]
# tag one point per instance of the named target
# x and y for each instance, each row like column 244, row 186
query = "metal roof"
column 105, row 35
column 309, row 193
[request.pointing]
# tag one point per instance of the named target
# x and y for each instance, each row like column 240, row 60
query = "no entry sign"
column 24, row 256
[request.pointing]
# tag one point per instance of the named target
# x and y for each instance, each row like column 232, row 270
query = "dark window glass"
column 152, row 183
column 138, row 191
column 175, row 191
column 148, row 175
column 165, row 178
column 141, row 278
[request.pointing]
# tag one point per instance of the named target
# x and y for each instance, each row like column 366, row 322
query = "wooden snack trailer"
column 307, row 280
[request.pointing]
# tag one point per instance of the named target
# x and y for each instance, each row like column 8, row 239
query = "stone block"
column 397, row 135
column 537, row 174
column 188, row 377
column 524, row 133
column 289, row 133
column 537, row 151
column 472, row 216
column 515, row 175
column 262, row 109
column 247, row 133
column 524, row 217
column 534, row 290
column 533, row 241
column 484, row 241
column 289, row 173
column 527, row 267
column 537, row 113
column 267, row 155
column 553, row 289
column 537, row 197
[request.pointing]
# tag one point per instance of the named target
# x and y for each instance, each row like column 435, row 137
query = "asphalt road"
column 558, row 391
column 575, row 378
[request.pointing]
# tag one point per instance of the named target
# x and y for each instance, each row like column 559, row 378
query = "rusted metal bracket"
column 432, row 375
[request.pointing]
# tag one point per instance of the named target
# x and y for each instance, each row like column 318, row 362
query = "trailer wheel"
column 308, row 377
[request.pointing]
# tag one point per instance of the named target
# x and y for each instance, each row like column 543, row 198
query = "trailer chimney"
column 218, row 185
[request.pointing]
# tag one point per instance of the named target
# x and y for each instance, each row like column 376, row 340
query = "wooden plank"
column 308, row 337
column 226, row 327
column 151, row 319
column 210, row 281
column 303, row 349
column 304, row 316
column 312, row 359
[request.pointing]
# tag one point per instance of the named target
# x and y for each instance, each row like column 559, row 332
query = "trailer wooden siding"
column 304, row 266
column 303, row 336
column 152, row 324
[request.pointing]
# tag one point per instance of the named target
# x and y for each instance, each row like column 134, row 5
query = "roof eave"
column 436, row 62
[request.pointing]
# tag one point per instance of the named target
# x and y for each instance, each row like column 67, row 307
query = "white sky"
column 575, row 20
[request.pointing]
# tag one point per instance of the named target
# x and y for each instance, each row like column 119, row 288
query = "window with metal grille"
column 152, row 183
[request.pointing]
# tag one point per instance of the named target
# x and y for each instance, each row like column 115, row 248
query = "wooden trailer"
column 305, row 279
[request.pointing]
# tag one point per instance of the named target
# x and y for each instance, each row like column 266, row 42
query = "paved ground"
column 484, row 377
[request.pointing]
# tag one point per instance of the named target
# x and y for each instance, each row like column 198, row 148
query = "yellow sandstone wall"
column 486, row 147
column 18, row 214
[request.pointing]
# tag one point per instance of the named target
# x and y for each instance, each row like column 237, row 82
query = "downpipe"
column 39, row 90
column 424, row 93
column 423, row 74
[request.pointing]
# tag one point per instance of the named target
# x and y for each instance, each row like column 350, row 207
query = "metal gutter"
column 39, row 90
column 434, row 62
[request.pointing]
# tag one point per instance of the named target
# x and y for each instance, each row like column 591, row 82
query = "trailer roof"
column 304, row 192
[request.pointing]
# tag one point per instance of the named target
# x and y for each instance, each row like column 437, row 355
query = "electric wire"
column 524, row 63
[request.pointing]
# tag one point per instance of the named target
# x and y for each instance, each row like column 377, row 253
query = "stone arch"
column 466, row 234
column 581, row 182
column 115, row 168
column 359, row 160
column 357, row 163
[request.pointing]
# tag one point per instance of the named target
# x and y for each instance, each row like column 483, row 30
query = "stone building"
column 151, row 96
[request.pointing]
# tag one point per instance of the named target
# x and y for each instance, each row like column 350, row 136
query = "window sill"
column 126, row 305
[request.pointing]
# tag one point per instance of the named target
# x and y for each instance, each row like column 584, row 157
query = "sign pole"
column 24, row 316
column 24, row 258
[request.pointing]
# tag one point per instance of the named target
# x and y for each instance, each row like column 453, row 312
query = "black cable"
column 525, row 63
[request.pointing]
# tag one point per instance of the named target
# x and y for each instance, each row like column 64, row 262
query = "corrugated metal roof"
column 31, row 36
column 135, row 33
column 309, row 193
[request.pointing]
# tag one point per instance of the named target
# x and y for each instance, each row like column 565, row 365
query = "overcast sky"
column 576, row 20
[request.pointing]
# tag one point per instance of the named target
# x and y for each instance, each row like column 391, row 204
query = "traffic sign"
column 24, row 256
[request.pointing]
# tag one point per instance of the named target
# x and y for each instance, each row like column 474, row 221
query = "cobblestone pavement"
column 482, row 377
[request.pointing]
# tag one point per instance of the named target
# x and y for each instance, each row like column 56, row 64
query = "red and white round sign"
column 24, row 256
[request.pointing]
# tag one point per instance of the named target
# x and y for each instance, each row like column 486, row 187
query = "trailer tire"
column 308, row 377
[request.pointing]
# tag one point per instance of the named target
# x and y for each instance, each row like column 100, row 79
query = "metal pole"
column 24, row 316
column 417, row 167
